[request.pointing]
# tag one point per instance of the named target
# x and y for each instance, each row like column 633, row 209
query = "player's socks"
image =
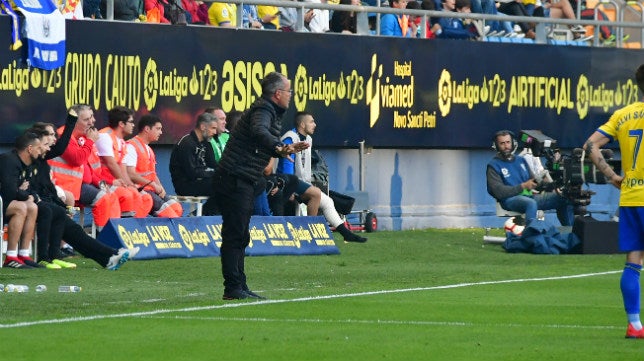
column 634, row 320
column 630, row 286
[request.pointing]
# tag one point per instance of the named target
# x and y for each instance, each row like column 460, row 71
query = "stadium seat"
column 500, row 212
column 195, row 204
column 81, row 220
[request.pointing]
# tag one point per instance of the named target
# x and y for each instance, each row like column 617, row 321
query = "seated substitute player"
column 511, row 182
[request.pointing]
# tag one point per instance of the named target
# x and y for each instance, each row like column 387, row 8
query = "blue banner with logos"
column 201, row 236
column 389, row 92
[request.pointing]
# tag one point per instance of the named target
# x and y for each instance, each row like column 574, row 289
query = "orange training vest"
column 145, row 160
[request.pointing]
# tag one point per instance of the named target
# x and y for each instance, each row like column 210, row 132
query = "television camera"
column 566, row 172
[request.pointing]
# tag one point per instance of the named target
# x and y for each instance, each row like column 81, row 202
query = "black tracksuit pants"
column 235, row 198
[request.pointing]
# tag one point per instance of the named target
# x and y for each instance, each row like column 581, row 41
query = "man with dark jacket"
column 192, row 162
column 239, row 177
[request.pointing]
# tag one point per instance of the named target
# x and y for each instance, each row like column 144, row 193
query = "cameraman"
column 511, row 182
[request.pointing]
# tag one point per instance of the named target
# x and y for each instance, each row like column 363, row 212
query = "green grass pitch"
column 412, row 295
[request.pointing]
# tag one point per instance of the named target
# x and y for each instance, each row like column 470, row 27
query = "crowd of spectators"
column 285, row 18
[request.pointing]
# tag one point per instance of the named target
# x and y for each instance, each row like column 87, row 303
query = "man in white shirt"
column 111, row 151
column 319, row 22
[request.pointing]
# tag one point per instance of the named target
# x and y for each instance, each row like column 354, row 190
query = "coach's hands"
column 285, row 150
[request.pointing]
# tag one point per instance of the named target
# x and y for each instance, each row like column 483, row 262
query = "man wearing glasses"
column 239, row 176
column 112, row 149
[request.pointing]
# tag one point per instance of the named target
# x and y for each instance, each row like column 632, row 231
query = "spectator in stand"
column 111, row 151
column 140, row 162
column 196, row 12
column 562, row 9
column 432, row 29
column 516, row 8
column 345, row 21
column 19, row 208
column 192, row 163
column 278, row 18
column 92, row 9
column 318, row 21
column 250, row 17
column 489, row 7
column 76, row 169
column 159, row 5
column 223, row 15
column 127, row 10
column 395, row 24
column 454, row 28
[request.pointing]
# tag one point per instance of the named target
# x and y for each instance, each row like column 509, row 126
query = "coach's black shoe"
column 235, row 295
column 254, row 295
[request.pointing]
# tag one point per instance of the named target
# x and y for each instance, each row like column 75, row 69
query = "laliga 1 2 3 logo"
column 445, row 92
column 151, row 84
column 300, row 88
column 583, row 96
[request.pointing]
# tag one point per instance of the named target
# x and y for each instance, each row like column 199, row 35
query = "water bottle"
column 41, row 288
column 1, row 287
column 16, row 288
column 69, row 289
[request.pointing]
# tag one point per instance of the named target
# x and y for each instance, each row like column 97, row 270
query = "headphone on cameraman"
column 515, row 144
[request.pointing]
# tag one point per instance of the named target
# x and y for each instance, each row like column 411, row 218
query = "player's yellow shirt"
column 220, row 13
column 626, row 126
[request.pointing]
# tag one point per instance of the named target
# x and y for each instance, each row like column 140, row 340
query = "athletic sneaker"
column 63, row 264
column 68, row 251
column 631, row 332
column 49, row 265
column 118, row 259
column 30, row 262
column 15, row 262
column 133, row 251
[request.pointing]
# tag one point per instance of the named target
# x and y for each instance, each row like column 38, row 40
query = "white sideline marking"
column 381, row 322
column 301, row 299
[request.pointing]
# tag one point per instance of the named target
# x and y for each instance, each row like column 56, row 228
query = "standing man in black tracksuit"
column 239, row 177
column 192, row 163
